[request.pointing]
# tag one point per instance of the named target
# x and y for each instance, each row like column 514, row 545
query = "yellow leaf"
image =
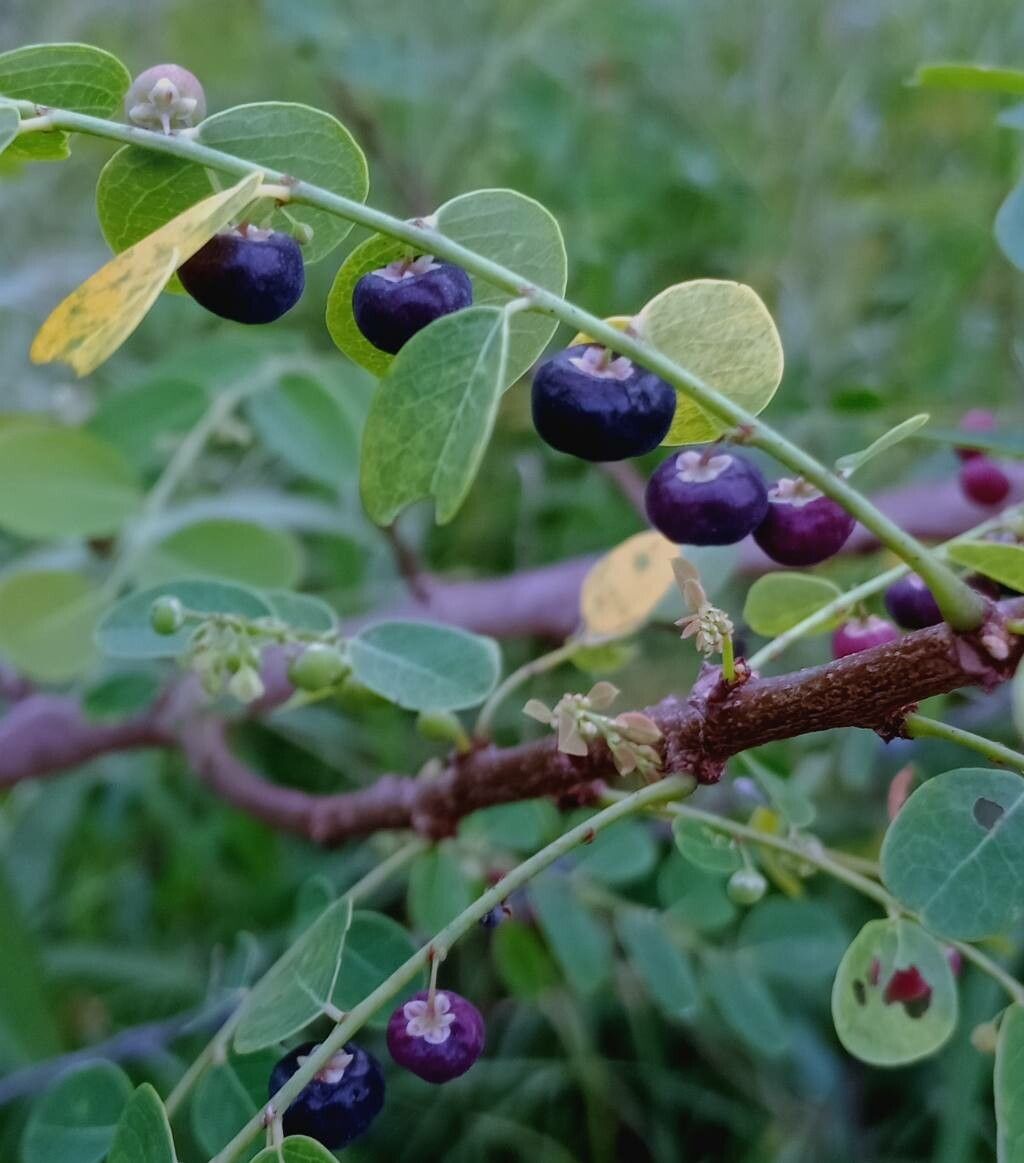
column 723, row 333
column 623, row 589
column 619, row 322
column 94, row 320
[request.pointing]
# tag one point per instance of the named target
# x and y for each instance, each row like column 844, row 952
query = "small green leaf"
column 660, row 964
column 523, row 826
column 119, row 695
column 854, row 460
column 226, row 1097
column 432, row 416
column 894, row 1032
column 238, row 551
column 1009, row 1086
column 299, row 985
column 695, row 897
column 793, row 941
column 955, row 853
column 778, row 601
column 63, row 76
column 521, row 961
column 746, row 1004
column 619, row 855
column 301, row 611
column 1003, row 563
column 579, row 942
column 786, row 796
column 47, row 621
column 970, row 77
column 125, row 631
column 1009, row 226
column 143, row 1133
column 706, row 847
column 376, row 947
column 296, row 1149
column 62, row 482
column 9, row 122
column 74, row 1121
column 438, row 889
column 302, row 421
column 425, row 667
column 147, row 423
column 303, row 143
column 723, row 333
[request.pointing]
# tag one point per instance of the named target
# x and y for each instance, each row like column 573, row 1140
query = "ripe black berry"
column 597, row 407
column 911, row 605
column 706, row 497
column 340, row 1103
column 436, row 1040
column 248, row 275
column 862, row 634
column 983, row 481
column 391, row 304
column 802, row 526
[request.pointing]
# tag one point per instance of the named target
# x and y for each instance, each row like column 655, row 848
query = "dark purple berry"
column 596, row 406
column 911, row 605
column 983, row 481
column 706, row 497
column 862, row 634
column 248, row 275
column 978, row 420
column 391, row 304
column 340, row 1103
column 437, row 1042
column 802, row 526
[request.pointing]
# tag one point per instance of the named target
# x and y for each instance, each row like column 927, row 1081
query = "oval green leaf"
column 778, row 601
column 660, row 964
column 301, row 611
column 237, row 551
column 579, row 942
column 1002, row 563
column 47, row 622
column 377, row 945
column 1009, row 1086
column 143, row 1133
column 970, row 77
column 425, row 667
column 723, row 333
column 74, row 1121
column 295, row 1149
column 299, row 986
column 226, row 1097
column 854, row 460
column 746, row 1004
column 304, row 143
column 619, row 855
column 62, row 482
column 892, row 1032
column 125, row 631
column 521, row 961
column 793, row 942
column 433, row 414
column 955, row 853
column 438, row 889
column 706, row 847
column 147, row 423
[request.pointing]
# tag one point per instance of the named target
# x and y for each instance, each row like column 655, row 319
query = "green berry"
column 746, row 886
column 317, row 667
column 167, row 615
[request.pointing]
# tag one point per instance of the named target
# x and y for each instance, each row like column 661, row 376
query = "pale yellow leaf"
column 723, row 333
column 94, row 320
column 619, row 322
column 624, row 587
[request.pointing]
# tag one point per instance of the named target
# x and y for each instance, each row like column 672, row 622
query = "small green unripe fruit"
column 985, row 1037
column 442, row 727
column 167, row 615
column 746, row 886
column 317, row 667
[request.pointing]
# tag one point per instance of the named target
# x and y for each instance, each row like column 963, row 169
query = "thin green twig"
column 921, row 727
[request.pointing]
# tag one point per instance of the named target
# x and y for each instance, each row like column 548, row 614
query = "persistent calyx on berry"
column 247, row 274
column 166, row 98
column 437, row 1036
column 802, row 527
column 340, row 1102
column 392, row 304
column 598, row 406
column 709, row 496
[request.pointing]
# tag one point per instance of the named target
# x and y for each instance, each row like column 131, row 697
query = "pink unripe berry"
column 862, row 634
column 983, row 481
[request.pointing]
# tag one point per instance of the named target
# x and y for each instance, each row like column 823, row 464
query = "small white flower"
column 334, row 1069
column 430, row 1022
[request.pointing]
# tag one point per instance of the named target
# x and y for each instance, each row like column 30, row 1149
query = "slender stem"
column 515, row 680
column 675, row 787
column 219, row 1042
column 961, row 606
column 852, row 598
column 985, row 963
column 728, row 659
column 921, row 727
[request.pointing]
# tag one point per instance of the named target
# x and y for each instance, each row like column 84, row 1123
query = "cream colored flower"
column 432, row 1022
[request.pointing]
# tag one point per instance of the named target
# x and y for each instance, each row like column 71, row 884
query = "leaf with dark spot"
column 987, row 812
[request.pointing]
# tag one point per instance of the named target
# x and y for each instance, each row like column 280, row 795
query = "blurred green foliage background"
column 775, row 142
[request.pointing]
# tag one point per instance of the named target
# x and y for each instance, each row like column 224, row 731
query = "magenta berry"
column 165, row 97
column 862, row 634
column 340, row 1103
column 393, row 303
column 983, row 481
column 706, row 497
column 594, row 405
column 802, row 527
column 437, row 1040
column 248, row 275
column 911, row 605
column 978, row 420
